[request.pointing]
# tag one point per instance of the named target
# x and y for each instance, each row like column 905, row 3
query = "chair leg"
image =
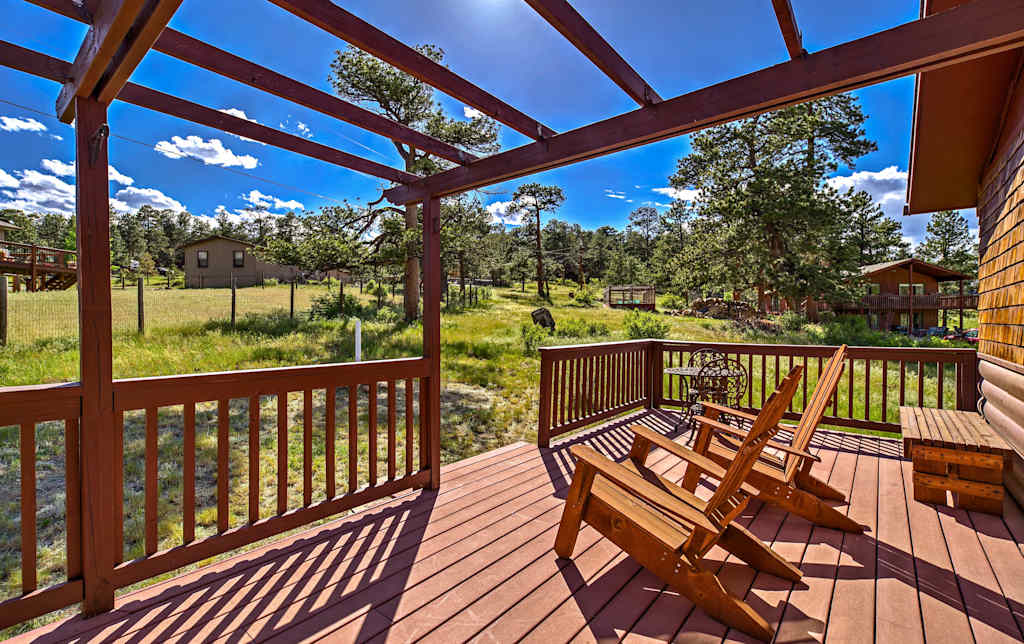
column 705, row 590
column 572, row 513
column 739, row 541
column 809, row 507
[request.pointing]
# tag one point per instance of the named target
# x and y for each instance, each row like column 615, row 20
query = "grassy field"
column 489, row 384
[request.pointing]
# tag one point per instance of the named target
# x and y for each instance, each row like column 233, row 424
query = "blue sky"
column 501, row 45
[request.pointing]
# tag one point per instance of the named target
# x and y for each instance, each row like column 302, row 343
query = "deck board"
column 473, row 562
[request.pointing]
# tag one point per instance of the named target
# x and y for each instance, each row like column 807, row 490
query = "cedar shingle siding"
column 221, row 265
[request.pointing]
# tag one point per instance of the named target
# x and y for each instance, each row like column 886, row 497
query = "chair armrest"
column 701, row 462
column 728, row 410
column 729, row 429
column 636, row 485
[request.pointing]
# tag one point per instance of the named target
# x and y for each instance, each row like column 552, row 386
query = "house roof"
column 8, row 225
column 940, row 273
column 958, row 116
column 212, row 237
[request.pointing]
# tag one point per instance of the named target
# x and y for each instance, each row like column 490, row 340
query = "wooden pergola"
column 121, row 32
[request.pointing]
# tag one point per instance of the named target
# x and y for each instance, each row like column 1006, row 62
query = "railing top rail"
column 158, row 391
column 569, row 347
column 37, row 403
column 37, row 247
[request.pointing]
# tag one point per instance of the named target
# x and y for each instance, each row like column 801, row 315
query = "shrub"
column 580, row 328
column 639, row 324
column 325, row 307
column 673, row 302
column 584, row 296
column 387, row 315
column 532, row 335
column 791, row 321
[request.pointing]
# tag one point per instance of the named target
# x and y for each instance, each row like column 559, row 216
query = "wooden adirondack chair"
column 669, row 530
column 785, row 482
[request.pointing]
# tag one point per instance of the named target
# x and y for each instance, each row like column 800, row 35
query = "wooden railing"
column 41, row 257
column 176, row 430
column 890, row 302
column 876, row 381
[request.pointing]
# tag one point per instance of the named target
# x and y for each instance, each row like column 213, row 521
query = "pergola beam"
column 790, row 29
column 342, row 24
column 575, row 28
column 973, row 30
column 39, row 64
column 122, row 32
column 198, row 53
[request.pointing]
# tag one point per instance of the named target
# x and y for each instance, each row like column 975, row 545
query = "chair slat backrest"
column 766, row 425
column 828, row 382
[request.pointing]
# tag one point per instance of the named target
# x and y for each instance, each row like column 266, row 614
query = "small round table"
column 717, row 392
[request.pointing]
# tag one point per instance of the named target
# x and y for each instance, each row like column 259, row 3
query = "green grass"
column 489, row 399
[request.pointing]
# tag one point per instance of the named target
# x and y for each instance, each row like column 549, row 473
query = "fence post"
column 291, row 301
column 142, row 304
column 544, row 416
column 233, row 300
column 967, row 383
column 32, row 285
column 3, row 311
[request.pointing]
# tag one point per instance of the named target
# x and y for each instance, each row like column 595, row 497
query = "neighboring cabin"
column 212, row 262
column 888, row 304
column 966, row 152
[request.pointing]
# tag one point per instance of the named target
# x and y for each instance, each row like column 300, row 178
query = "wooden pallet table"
column 955, row 451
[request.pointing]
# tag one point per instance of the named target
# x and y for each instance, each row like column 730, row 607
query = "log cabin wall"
column 1001, row 286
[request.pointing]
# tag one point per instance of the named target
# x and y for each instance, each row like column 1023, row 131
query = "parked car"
column 971, row 336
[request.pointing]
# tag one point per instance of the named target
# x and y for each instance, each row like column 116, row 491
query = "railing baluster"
column 28, row 507
column 885, row 391
column 188, row 492
column 424, row 437
column 764, row 377
column 372, row 423
column 867, row 389
column 73, row 498
column 903, row 382
column 330, row 438
column 118, row 486
column 392, row 432
column 849, row 388
column 942, row 372
column 151, row 518
column 254, row 459
column 803, row 405
column 920, row 383
column 307, row 446
column 750, row 380
column 223, row 439
column 353, row 436
column 408, row 427
column 282, row 452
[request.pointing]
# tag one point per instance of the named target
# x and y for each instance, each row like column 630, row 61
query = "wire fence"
column 47, row 315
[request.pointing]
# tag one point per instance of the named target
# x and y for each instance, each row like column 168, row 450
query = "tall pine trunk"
column 411, row 298
column 540, row 260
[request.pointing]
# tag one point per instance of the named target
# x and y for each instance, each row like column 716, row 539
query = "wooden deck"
column 474, row 561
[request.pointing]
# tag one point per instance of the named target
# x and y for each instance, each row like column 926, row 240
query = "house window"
column 203, row 258
column 874, row 289
column 239, row 258
column 918, row 289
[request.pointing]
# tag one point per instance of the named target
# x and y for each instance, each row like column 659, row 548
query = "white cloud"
column 210, row 152
column 472, row 113
column 234, row 111
column 678, row 194
column 15, row 124
column 135, row 198
column 499, row 211
column 614, row 194
column 260, row 200
column 34, row 191
column 299, row 127
column 887, row 187
column 62, row 169
column 7, row 181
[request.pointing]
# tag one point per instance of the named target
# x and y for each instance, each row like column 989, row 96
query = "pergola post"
column 431, row 412
column 960, row 301
column 97, row 425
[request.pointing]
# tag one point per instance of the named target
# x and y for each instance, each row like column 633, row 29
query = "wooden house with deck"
column 419, row 549
column 905, row 294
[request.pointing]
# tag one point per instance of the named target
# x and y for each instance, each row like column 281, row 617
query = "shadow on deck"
column 474, row 561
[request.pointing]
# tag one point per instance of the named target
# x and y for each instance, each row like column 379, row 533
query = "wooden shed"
column 630, row 297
